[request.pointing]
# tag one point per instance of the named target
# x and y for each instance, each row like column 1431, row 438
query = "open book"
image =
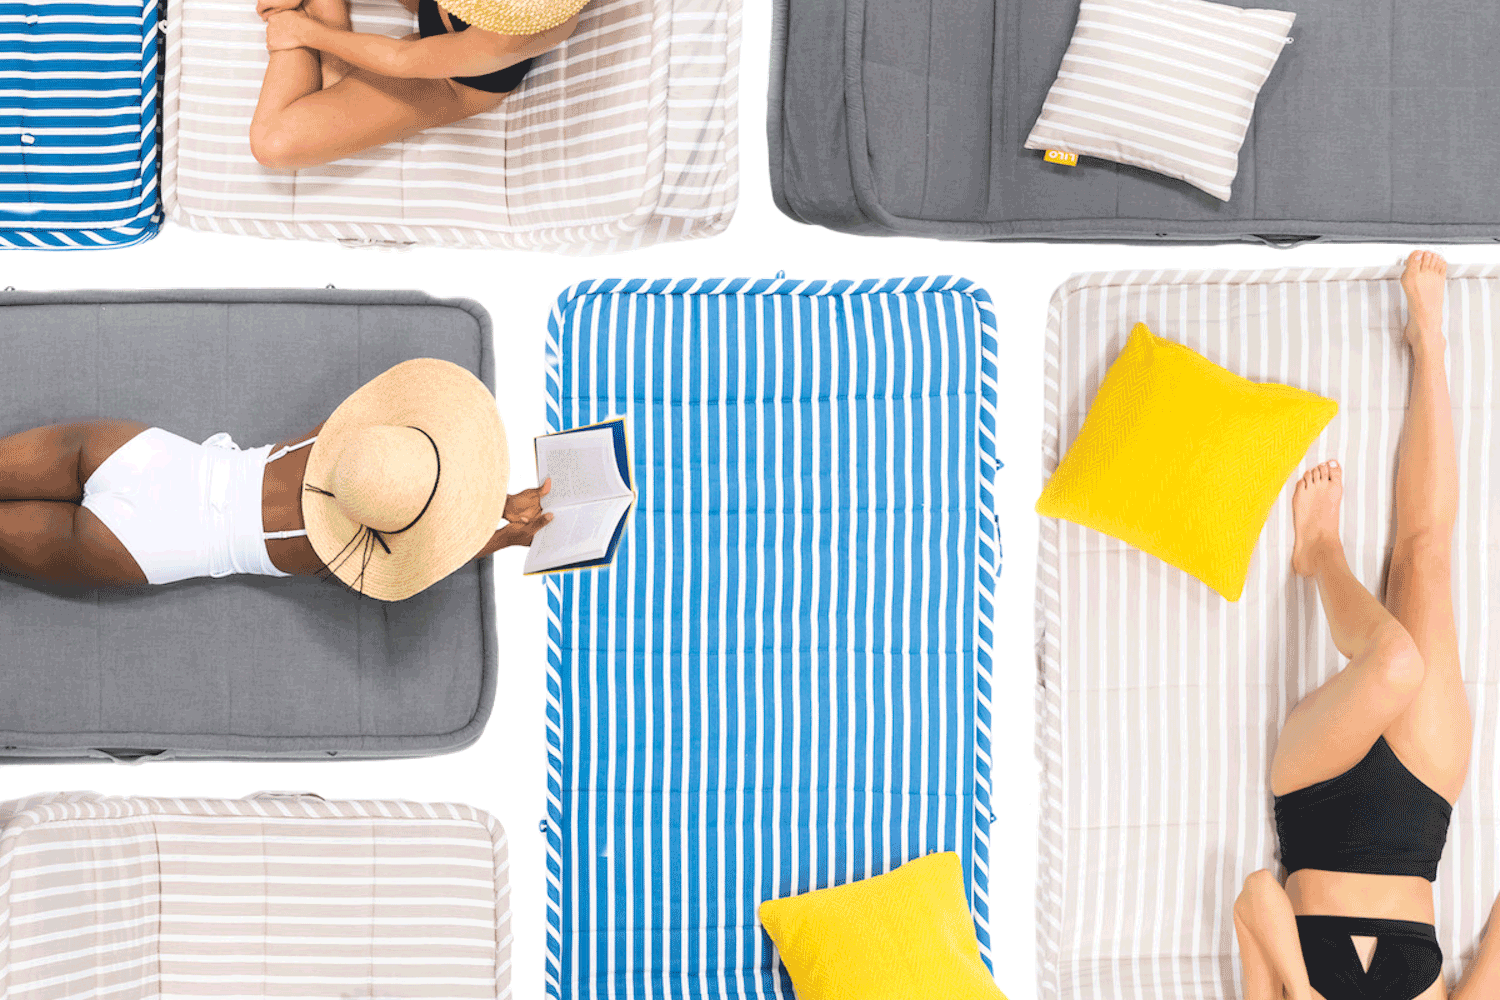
column 590, row 497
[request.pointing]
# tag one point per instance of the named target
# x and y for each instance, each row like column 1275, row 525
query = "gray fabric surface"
column 909, row 116
column 245, row 666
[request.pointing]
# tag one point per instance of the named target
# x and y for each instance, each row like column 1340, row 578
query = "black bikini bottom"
column 500, row 82
column 1406, row 962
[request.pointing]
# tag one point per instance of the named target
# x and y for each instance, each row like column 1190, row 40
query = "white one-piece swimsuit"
column 185, row 510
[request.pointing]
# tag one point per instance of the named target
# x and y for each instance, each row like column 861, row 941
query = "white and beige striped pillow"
column 1167, row 85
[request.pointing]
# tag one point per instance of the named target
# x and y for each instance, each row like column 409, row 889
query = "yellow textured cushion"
column 1183, row 459
column 904, row 935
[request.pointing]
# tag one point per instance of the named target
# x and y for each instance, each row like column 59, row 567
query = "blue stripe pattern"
column 78, row 118
column 783, row 681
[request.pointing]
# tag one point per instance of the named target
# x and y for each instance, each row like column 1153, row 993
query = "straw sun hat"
column 406, row 481
column 514, row 17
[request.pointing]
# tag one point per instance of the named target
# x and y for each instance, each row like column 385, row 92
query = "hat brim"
column 459, row 413
column 514, row 17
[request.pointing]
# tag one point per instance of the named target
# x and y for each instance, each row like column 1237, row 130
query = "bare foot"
column 1315, row 515
column 1425, row 281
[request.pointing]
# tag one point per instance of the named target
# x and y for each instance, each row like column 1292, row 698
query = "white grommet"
column 28, row 140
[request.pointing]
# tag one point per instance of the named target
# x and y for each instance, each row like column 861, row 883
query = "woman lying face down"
column 403, row 484
column 330, row 92
column 1368, row 767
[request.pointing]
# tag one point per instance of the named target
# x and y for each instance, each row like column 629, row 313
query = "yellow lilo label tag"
column 1058, row 156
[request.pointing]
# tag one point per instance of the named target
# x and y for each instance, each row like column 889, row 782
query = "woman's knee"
column 276, row 147
column 1259, row 889
column 1424, row 554
column 1258, row 883
column 1399, row 662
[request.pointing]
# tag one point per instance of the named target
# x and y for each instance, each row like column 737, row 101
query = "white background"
column 505, row 772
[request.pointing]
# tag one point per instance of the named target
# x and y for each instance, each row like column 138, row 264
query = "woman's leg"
column 60, row 542
column 1334, row 727
column 1481, row 980
column 1433, row 736
column 44, row 533
column 1270, row 950
column 335, row 14
column 53, row 463
column 315, row 108
column 292, row 131
column 292, row 74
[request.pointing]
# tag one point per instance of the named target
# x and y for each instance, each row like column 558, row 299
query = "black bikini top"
column 1377, row 818
column 430, row 20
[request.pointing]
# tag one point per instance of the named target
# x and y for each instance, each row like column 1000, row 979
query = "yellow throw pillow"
column 1183, row 459
column 898, row 936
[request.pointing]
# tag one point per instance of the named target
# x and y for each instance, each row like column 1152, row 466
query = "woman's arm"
column 513, row 534
column 1481, row 979
column 524, row 512
column 466, row 53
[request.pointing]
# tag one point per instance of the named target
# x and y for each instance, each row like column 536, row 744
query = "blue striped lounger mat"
column 78, row 118
column 782, row 682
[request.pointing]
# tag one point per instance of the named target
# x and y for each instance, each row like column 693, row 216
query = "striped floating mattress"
column 277, row 895
column 78, row 122
column 1161, row 702
column 782, row 682
column 624, row 136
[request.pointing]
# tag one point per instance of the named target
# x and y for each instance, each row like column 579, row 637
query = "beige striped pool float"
column 623, row 137
column 1160, row 701
column 278, row 895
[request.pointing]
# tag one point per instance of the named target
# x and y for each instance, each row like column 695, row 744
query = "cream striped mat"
column 1160, row 702
column 623, row 137
column 272, row 896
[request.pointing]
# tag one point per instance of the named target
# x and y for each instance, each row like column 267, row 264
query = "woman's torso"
column 1350, row 894
column 281, row 509
column 1365, row 843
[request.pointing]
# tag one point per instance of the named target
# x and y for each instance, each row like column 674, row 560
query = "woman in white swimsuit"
column 404, row 483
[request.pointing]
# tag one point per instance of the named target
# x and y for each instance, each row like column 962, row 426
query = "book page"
column 577, row 533
column 582, row 468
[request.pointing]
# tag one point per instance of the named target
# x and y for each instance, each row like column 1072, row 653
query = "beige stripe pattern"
column 1159, row 702
column 282, row 896
column 623, row 137
column 1166, row 85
